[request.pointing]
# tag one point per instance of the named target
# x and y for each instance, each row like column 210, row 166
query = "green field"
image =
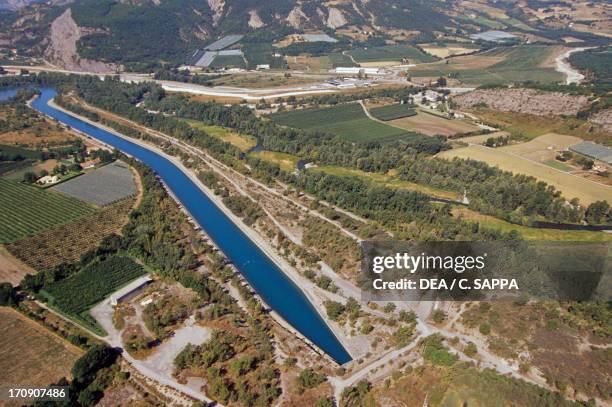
column 339, row 59
column 392, row 112
column 517, row 64
column 260, row 54
column 390, row 53
column 558, row 165
column 27, row 210
column 76, row 294
column 228, row 61
column 286, row 162
column 242, row 141
column 348, row 121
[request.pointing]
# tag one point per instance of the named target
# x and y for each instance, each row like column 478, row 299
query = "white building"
column 263, row 66
column 48, row 179
column 355, row 70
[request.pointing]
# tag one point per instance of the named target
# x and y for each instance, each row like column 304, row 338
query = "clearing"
column 432, row 124
column 446, row 50
column 286, row 162
column 529, row 233
column 242, row 141
column 348, row 121
column 570, row 185
column 45, row 210
column 12, row 269
column 29, row 354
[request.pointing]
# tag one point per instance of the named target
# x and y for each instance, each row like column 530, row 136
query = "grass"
column 570, row 185
column 76, row 294
column 339, row 59
column 45, row 209
column 497, row 66
column 390, row 53
column 558, row 165
column 29, row 354
column 287, row 162
column 532, row 233
column 392, row 112
column 243, row 142
column 348, row 121
column 387, row 180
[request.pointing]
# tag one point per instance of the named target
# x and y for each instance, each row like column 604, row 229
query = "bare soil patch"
column 525, row 101
column 12, row 269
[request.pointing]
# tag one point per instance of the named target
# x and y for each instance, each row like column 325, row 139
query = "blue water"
column 274, row 287
column 7, row 93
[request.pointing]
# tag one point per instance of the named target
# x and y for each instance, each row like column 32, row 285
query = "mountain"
column 143, row 33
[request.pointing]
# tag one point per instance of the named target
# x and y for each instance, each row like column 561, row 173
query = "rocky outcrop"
column 296, row 17
column 62, row 49
column 255, row 20
column 603, row 118
column 335, row 18
column 216, row 7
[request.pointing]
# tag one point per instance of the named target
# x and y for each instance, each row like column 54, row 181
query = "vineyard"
column 392, row 112
column 42, row 251
column 44, row 210
column 75, row 295
column 348, row 121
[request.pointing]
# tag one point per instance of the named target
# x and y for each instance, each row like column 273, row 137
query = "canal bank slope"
column 265, row 247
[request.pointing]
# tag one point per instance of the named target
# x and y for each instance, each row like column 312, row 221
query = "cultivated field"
column 390, row 53
column 392, row 112
column 443, row 51
column 348, row 121
column 530, row 125
column 242, row 141
column 101, row 186
column 29, row 354
column 432, row 125
column 76, row 294
column 42, row 251
column 286, row 162
column 544, row 147
column 45, row 209
column 570, row 185
column 497, row 66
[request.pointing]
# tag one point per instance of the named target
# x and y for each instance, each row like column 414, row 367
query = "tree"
column 29, row 177
column 598, row 213
column 7, row 294
column 96, row 358
column 325, row 402
column 308, row 378
column 334, row 309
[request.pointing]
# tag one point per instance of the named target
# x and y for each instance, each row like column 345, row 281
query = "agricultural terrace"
column 242, row 141
column 42, row 251
column 75, row 295
column 503, row 65
column 392, row 112
column 45, row 209
column 570, row 185
column 31, row 354
column 101, row 186
column 390, row 53
column 432, row 124
column 348, row 121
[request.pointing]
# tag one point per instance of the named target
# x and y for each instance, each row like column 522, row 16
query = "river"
column 276, row 289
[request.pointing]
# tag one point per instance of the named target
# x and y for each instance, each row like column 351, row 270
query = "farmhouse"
column 130, row 290
column 48, row 180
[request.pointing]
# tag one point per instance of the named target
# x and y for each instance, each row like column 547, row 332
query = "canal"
column 276, row 289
